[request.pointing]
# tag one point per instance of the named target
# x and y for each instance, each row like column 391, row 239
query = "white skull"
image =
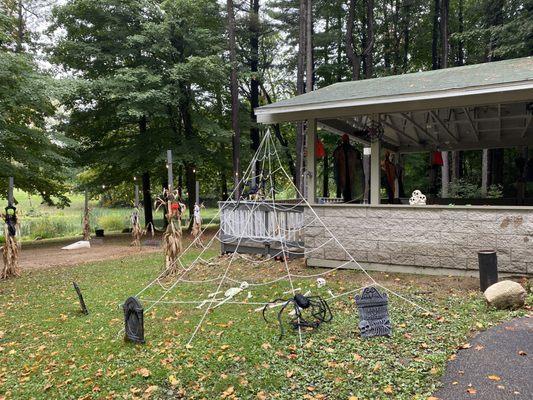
column 244, row 285
column 320, row 282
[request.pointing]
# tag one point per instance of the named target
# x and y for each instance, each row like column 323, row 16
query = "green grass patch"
column 48, row 349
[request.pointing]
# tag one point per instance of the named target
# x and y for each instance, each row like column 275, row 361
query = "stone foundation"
column 422, row 238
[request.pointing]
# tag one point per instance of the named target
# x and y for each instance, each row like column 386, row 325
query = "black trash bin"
column 488, row 268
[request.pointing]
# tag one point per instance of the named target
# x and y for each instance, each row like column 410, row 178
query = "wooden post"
column 11, row 186
column 169, row 171
column 311, row 161
column 484, row 172
column 197, row 192
column 375, row 172
column 445, row 175
column 366, row 171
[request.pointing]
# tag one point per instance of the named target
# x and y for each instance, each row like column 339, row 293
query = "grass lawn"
column 48, row 349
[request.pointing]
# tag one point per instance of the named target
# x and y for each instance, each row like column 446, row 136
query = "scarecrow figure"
column 136, row 230
column 197, row 225
column 172, row 236
column 10, row 249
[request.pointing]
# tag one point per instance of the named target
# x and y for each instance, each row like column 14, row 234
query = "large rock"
column 506, row 294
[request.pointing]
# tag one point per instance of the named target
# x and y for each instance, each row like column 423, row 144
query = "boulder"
column 506, row 294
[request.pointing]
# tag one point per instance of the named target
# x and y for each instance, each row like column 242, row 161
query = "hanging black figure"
column 317, row 307
column 11, row 220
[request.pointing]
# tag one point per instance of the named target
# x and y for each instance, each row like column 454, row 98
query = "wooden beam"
column 528, row 124
column 439, row 121
column 403, row 134
column 474, row 128
column 417, row 125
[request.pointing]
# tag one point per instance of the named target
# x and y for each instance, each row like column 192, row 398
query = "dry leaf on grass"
column 494, row 378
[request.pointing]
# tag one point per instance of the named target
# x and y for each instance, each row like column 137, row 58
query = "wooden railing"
column 252, row 227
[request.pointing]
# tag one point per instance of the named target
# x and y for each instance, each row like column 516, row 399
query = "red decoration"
column 320, row 151
column 436, row 158
column 174, row 206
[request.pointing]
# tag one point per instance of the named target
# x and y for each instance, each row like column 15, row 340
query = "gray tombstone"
column 373, row 313
column 80, row 297
column 133, row 320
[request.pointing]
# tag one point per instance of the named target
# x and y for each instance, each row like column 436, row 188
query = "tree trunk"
column 300, row 89
column 444, row 16
column 254, row 81
column 369, row 50
column 147, row 201
column 353, row 58
column 435, row 64
column 309, row 48
column 234, row 89
column 406, row 38
column 147, row 194
column 460, row 43
column 190, row 181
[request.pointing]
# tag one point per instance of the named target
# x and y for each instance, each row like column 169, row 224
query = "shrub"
column 112, row 222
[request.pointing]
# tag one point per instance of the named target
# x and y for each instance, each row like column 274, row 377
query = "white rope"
column 209, row 307
column 340, row 244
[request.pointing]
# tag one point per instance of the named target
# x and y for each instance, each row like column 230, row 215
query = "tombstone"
column 80, row 297
column 373, row 313
column 133, row 320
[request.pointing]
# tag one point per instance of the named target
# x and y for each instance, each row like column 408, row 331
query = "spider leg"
column 282, row 331
column 268, row 305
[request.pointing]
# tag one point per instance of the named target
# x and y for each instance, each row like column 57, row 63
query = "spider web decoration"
column 229, row 288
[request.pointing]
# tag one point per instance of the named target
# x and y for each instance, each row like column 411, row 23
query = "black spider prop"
column 315, row 308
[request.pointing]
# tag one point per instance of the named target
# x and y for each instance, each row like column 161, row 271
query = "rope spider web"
column 269, row 162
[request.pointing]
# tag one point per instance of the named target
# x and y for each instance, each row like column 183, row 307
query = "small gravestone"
column 80, row 297
column 373, row 313
column 133, row 320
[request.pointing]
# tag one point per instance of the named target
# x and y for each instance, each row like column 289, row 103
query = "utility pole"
column 169, row 171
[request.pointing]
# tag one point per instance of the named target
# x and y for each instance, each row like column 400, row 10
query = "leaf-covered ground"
column 48, row 349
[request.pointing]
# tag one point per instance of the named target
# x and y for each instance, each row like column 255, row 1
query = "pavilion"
column 463, row 108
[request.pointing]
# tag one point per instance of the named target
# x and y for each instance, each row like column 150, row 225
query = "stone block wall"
column 430, row 236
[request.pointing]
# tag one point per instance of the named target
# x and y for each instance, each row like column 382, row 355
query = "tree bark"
column 234, row 89
column 254, row 81
column 435, row 63
column 353, row 58
column 300, row 89
column 444, row 16
column 369, row 56
column 147, row 194
column 309, row 48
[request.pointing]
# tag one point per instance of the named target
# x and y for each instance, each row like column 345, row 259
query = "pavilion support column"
column 484, row 172
column 366, row 170
column 375, row 172
column 310, row 173
column 445, row 175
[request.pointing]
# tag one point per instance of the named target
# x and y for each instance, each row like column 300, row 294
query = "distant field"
column 41, row 221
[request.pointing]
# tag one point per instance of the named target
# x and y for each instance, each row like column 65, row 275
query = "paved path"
column 498, row 365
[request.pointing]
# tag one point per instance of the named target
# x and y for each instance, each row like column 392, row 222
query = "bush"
column 112, row 222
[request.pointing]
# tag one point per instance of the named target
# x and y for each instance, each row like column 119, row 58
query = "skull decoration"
column 417, row 199
column 320, row 282
column 373, row 313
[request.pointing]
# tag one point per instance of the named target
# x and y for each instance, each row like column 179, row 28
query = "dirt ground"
column 48, row 254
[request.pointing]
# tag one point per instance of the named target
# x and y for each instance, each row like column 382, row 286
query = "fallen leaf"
column 501, row 387
column 494, row 378
column 310, row 388
column 144, row 372
column 228, row 392
column 353, row 398
column 172, row 380
column 388, row 390
column 290, row 374
column 465, row 346
column 471, row 391
column 433, row 398
column 261, row 396
column 266, row 346
column 522, row 353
